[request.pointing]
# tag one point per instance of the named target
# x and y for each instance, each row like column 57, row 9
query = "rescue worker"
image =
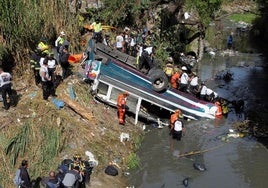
column 5, row 87
column 146, row 61
column 43, row 47
column 178, row 129
column 203, row 91
column 169, row 68
column 177, row 114
column 97, row 29
column 59, row 41
column 175, row 78
column 84, row 167
column 121, row 107
column 35, row 66
column 194, row 86
column 63, row 60
column 47, row 84
column 224, row 106
column 211, row 95
column 183, row 86
column 218, row 112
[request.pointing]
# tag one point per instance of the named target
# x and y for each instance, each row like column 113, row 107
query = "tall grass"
column 24, row 22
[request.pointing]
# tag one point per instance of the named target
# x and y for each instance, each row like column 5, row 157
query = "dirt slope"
column 55, row 134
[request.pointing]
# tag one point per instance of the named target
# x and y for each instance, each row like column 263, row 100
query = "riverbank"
column 55, row 134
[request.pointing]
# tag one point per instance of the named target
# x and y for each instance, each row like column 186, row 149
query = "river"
column 230, row 162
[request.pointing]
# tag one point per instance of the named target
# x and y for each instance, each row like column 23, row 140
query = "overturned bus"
column 149, row 95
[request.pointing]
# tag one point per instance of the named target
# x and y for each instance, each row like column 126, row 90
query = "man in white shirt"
column 5, row 87
column 47, row 84
column 146, row 60
column 184, row 80
column 194, row 86
column 203, row 91
column 120, row 42
column 177, row 130
column 210, row 95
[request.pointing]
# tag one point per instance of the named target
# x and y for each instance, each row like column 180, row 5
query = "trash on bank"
column 58, row 103
column 124, row 137
column 91, row 158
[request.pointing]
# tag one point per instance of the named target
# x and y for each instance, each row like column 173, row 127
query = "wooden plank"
column 77, row 108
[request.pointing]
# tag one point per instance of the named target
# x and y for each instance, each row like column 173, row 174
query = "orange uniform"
column 121, row 107
column 175, row 80
column 174, row 117
column 218, row 113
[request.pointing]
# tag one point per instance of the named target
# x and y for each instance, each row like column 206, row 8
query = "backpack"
column 111, row 170
column 17, row 179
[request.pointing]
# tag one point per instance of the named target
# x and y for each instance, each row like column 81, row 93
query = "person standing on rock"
column 5, row 87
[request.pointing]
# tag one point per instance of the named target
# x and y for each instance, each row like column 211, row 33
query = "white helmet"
column 184, row 68
column 170, row 59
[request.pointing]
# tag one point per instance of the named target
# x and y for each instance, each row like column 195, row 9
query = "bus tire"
column 159, row 80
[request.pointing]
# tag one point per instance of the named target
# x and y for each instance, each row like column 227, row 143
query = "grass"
column 248, row 18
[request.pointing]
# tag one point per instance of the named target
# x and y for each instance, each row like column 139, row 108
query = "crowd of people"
column 71, row 173
column 49, row 69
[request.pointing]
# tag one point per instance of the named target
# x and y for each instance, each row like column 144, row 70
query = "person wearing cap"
column 43, row 47
column 122, row 106
column 183, row 86
column 178, row 129
column 60, row 40
column 176, row 115
column 169, row 68
column 35, row 66
column 194, row 86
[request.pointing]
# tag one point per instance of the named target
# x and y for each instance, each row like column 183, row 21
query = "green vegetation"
column 248, row 17
column 133, row 161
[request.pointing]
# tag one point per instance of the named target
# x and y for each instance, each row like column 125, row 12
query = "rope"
column 200, row 151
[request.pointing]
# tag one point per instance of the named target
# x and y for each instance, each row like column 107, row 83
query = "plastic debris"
column 124, row 137
column 32, row 95
column 71, row 92
column 58, row 103
column 91, row 159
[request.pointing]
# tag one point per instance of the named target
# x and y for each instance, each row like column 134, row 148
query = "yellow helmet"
column 77, row 157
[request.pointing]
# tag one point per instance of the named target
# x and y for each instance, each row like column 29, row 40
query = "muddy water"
column 230, row 162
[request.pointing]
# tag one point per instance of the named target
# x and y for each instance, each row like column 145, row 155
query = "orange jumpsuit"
column 121, row 107
column 219, row 110
column 175, row 79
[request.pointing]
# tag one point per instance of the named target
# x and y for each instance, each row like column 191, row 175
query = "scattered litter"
column 58, row 103
column 72, row 93
column 32, row 95
column 126, row 173
column 91, row 158
column 124, row 137
column 200, row 167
